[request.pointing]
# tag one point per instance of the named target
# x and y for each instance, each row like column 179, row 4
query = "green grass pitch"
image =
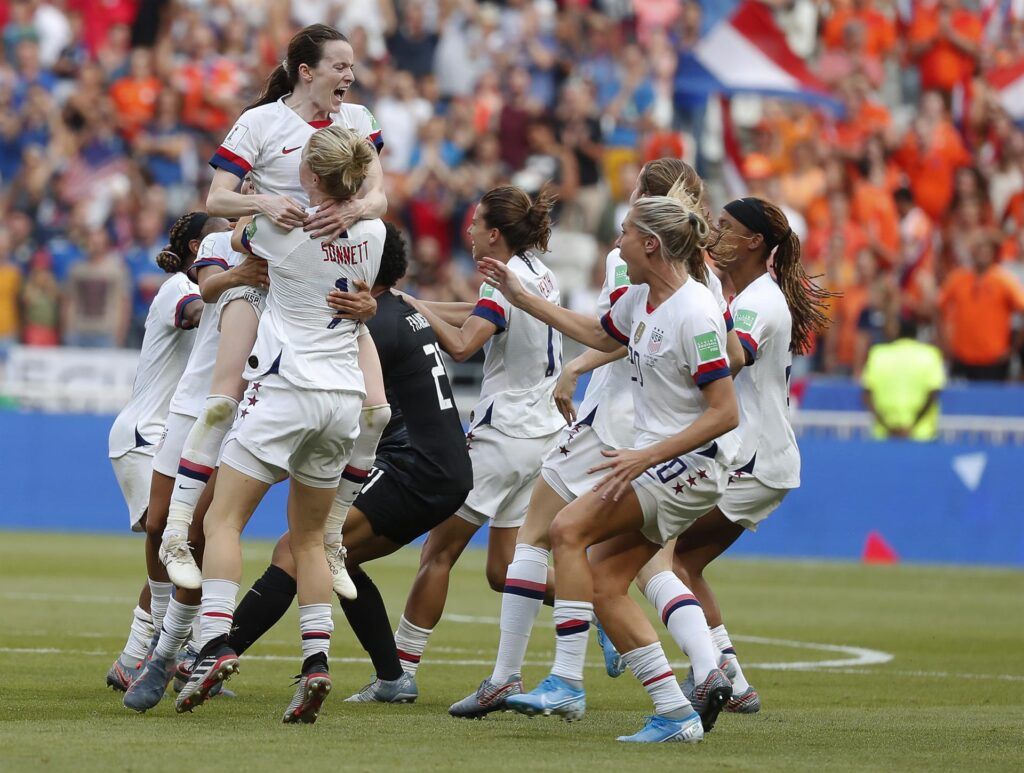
column 949, row 698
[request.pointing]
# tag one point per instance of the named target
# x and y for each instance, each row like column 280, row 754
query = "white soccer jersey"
column 522, row 360
column 165, row 350
column 298, row 336
column 608, row 396
column 266, row 143
column 674, row 350
column 194, row 386
column 764, row 326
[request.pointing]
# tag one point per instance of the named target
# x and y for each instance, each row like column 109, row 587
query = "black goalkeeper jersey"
column 424, row 437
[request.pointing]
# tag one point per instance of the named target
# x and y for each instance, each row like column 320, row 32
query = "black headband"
column 750, row 212
column 196, row 224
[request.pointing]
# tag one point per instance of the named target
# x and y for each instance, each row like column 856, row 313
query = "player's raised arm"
column 580, row 327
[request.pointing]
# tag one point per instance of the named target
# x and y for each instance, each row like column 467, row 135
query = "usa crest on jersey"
column 654, row 344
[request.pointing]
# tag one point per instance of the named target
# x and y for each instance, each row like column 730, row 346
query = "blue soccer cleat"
column 552, row 696
column 614, row 664
column 148, row 690
column 661, row 729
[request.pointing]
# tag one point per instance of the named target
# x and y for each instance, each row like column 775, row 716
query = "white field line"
column 489, row 663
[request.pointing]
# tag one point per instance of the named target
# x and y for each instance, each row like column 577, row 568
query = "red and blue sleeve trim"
column 615, row 294
column 179, row 311
column 748, row 343
column 711, row 371
column 611, row 330
column 230, row 162
column 377, row 140
column 492, row 312
column 219, row 262
column 728, row 321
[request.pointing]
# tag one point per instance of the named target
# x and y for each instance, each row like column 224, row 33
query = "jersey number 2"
column 437, row 371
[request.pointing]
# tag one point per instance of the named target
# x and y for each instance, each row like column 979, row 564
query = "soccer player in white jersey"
column 685, row 408
column 305, row 93
column 514, row 423
column 774, row 317
column 230, row 283
column 299, row 418
column 138, row 429
column 605, row 422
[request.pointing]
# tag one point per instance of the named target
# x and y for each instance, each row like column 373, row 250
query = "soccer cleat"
column 552, row 696
column 340, row 579
column 487, row 698
column 400, row 690
column 214, row 663
column 181, row 566
column 310, row 691
column 728, row 665
column 614, row 664
column 661, row 729
column 709, row 697
column 121, row 674
column 147, row 691
column 183, row 666
column 747, row 702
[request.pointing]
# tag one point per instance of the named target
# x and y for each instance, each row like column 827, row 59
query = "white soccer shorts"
column 172, row 443
column 676, row 493
column 504, row 471
column 577, row 449
column 256, row 298
column 747, row 501
column 134, row 472
column 305, row 433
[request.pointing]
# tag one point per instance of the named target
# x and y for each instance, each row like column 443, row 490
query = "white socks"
column 139, row 637
column 650, row 666
column 572, row 626
column 683, row 616
column 721, row 639
column 315, row 626
column 411, row 640
column 198, row 459
column 217, row 609
column 176, row 629
column 525, row 583
column 372, row 422
column 161, row 593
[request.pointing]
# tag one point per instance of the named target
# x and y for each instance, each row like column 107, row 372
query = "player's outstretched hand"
column 498, row 275
column 624, row 466
column 252, row 272
column 565, row 388
column 331, row 219
column 284, row 211
column 353, row 305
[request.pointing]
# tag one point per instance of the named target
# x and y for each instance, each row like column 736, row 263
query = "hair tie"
column 284, row 64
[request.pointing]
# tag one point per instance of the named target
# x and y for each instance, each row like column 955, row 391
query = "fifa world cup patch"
column 745, row 319
column 708, row 347
column 234, row 137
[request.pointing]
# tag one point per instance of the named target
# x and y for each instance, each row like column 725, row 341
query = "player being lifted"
column 422, row 475
column 305, row 93
column 299, row 420
column 513, row 425
column 685, row 407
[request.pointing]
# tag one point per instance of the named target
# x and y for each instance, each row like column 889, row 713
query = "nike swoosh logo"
column 187, row 488
column 286, row 151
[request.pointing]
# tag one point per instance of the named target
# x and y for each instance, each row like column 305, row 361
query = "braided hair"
column 178, row 256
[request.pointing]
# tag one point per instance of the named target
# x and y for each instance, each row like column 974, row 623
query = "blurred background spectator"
column 907, row 187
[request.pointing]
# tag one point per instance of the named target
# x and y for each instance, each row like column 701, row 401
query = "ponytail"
column 277, row 85
column 169, row 260
column 807, row 300
column 524, row 224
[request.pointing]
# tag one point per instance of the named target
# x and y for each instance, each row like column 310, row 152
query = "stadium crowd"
column 910, row 203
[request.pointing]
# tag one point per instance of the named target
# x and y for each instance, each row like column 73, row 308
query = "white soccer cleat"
column 181, row 566
column 340, row 579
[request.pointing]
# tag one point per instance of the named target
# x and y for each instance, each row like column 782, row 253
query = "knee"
column 496, row 576
column 687, row 570
column 566, row 533
column 155, row 527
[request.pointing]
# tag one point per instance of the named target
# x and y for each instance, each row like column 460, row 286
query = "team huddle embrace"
column 280, row 349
